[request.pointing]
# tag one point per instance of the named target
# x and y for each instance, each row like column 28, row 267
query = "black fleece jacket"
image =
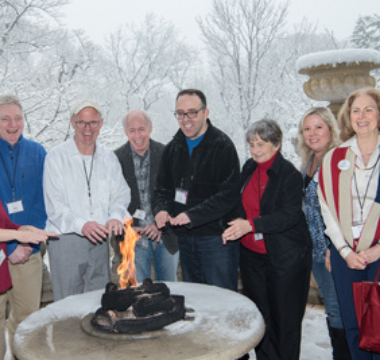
column 211, row 177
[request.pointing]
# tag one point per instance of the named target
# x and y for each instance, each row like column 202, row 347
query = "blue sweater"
column 28, row 157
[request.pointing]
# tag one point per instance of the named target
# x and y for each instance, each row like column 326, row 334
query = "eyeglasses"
column 82, row 124
column 180, row 115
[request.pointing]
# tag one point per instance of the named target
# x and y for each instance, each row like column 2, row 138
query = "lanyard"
column 13, row 181
column 366, row 189
column 88, row 178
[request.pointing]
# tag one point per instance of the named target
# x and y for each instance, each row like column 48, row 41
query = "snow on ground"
column 315, row 338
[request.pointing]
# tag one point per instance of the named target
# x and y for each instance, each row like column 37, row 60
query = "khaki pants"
column 3, row 302
column 25, row 295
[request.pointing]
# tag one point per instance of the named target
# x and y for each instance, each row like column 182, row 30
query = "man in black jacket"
column 140, row 158
column 196, row 191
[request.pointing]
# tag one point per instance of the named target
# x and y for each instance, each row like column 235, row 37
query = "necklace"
column 367, row 154
column 371, row 168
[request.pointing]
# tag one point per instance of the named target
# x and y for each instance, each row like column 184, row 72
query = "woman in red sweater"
column 275, row 251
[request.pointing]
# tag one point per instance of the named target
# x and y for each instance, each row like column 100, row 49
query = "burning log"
column 136, row 309
column 133, row 309
column 121, row 300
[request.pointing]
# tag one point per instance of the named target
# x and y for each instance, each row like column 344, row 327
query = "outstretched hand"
column 237, row 229
column 31, row 234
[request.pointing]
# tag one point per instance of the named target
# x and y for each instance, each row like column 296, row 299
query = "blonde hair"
column 328, row 117
column 344, row 121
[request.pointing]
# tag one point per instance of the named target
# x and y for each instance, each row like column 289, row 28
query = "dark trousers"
column 343, row 278
column 281, row 299
column 205, row 260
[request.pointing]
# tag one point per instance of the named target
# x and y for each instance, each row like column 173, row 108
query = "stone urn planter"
column 333, row 75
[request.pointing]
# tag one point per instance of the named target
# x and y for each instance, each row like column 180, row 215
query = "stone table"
column 225, row 325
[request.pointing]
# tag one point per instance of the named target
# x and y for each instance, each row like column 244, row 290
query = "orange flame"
column 127, row 269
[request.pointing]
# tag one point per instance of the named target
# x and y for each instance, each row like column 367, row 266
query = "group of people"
column 340, row 167
column 275, row 223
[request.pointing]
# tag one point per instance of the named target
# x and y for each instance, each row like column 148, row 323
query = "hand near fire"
column 94, row 231
column 116, row 226
column 237, row 229
column 150, row 230
column 31, row 234
column 161, row 219
column 180, row 219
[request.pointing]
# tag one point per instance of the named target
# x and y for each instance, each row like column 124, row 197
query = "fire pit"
column 225, row 325
column 144, row 322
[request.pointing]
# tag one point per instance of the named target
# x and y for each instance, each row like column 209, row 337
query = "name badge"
column 356, row 231
column 181, row 196
column 2, row 256
column 344, row 165
column 259, row 236
column 15, row 207
column 140, row 214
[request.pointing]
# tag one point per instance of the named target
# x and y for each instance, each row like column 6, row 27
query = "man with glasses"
column 140, row 159
column 86, row 199
column 21, row 168
column 196, row 191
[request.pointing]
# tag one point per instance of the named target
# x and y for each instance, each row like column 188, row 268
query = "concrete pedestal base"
column 226, row 325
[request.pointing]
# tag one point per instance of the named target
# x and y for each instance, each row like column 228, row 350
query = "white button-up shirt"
column 67, row 201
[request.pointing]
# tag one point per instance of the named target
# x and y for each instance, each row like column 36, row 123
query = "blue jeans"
column 205, row 260
column 326, row 286
column 165, row 264
column 343, row 278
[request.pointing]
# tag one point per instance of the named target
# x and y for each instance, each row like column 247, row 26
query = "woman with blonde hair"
column 349, row 194
column 317, row 133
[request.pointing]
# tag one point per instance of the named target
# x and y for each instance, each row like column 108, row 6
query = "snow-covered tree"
column 239, row 36
column 366, row 33
column 147, row 60
column 19, row 29
column 45, row 65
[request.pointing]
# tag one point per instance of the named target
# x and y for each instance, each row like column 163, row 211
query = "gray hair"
column 9, row 99
column 268, row 130
column 328, row 117
column 144, row 113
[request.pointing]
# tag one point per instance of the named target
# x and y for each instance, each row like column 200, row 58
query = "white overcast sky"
column 100, row 17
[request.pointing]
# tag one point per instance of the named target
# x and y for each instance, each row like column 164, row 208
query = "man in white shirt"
column 86, row 199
